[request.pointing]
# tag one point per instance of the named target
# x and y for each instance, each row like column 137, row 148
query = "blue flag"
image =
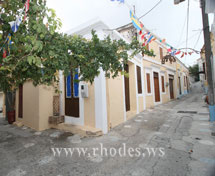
column 121, row 1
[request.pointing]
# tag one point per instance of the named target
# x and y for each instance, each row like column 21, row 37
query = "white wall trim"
column 101, row 102
column 123, row 90
column 135, row 77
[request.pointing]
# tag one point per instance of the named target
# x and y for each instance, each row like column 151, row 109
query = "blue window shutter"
column 76, row 84
column 68, row 87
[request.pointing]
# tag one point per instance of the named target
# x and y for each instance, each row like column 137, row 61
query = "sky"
column 168, row 21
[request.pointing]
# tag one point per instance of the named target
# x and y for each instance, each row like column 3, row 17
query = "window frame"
column 163, row 84
column 150, row 79
column 139, row 80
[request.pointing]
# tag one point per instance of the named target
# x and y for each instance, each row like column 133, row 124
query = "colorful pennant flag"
column 169, row 50
column 26, row 8
column 15, row 24
column 140, row 33
column 135, row 21
column 178, row 52
column 153, row 39
column 9, row 42
column 163, row 41
column 150, row 38
column 121, row 1
column 182, row 55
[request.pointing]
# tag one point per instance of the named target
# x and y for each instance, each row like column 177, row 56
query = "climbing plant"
column 38, row 50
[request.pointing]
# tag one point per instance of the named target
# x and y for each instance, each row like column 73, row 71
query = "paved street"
column 185, row 139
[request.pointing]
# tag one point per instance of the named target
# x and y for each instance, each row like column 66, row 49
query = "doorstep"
column 83, row 131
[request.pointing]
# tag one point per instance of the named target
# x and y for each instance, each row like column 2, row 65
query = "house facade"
column 203, row 66
column 107, row 102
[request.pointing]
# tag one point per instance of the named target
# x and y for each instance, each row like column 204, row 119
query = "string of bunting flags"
column 147, row 37
column 14, row 27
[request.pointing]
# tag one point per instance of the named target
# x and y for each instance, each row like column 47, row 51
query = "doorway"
column 171, row 87
column 127, row 91
column 156, row 87
column 71, row 99
column 179, row 79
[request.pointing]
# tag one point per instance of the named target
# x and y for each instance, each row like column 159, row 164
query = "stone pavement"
column 170, row 143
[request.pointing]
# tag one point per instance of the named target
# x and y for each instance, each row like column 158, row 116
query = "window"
column 161, row 53
column 163, row 86
column 139, row 82
column 148, row 83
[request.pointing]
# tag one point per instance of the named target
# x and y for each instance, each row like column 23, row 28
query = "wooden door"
column 20, row 113
column 156, row 87
column 127, row 91
column 71, row 102
column 179, row 79
column 171, row 88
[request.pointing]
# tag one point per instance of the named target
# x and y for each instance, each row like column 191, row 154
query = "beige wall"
column 89, row 107
column 30, row 106
column 37, row 106
column 46, row 94
column 115, row 101
column 141, row 104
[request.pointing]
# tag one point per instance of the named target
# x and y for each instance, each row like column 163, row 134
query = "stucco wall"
column 132, row 87
column 30, row 106
column 89, row 107
column 46, row 94
column 115, row 101
column 140, row 101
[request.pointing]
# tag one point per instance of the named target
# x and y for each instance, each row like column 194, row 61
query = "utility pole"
column 208, row 56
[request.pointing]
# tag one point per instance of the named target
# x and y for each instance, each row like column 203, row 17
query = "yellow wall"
column 115, row 101
column 46, row 94
column 132, row 87
column 140, row 101
column 89, row 107
column 30, row 106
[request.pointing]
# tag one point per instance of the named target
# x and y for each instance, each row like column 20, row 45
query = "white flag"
column 15, row 24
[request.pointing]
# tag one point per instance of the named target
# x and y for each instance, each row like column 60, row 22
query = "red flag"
column 185, row 53
column 140, row 33
column 142, row 37
column 190, row 53
column 182, row 55
column 4, row 53
column 141, row 25
column 26, row 8
column 169, row 50
column 178, row 52
column 163, row 41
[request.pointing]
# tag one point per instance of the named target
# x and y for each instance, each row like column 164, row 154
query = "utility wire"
column 186, row 40
column 130, row 8
column 150, row 10
column 188, row 15
column 198, row 39
column 182, row 31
